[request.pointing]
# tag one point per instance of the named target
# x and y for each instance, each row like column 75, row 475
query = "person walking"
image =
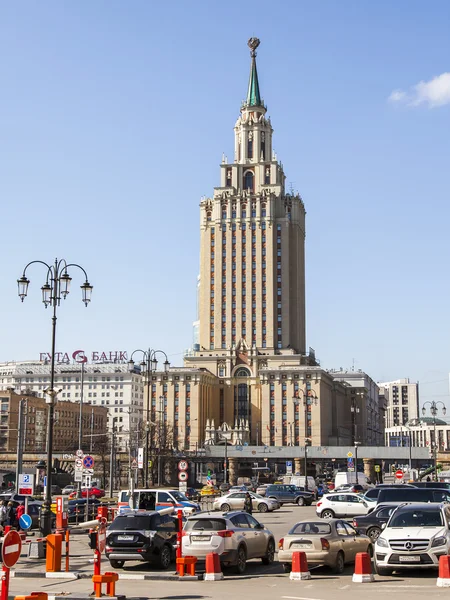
column 20, row 510
column 10, row 516
column 3, row 513
column 248, row 504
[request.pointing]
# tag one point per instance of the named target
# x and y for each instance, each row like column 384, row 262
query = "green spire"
column 253, row 95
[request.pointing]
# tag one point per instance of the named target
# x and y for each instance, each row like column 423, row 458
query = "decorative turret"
column 253, row 95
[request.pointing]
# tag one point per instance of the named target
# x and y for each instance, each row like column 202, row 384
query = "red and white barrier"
column 443, row 579
column 299, row 569
column 363, row 569
column 213, row 568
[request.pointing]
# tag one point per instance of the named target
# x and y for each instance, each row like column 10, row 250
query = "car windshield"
column 416, row 518
column 210, row 524
column 131, row 523
column 311, row 527
column 255, row 495
column 179, row 496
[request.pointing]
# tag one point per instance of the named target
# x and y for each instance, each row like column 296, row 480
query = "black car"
column 370, row 524
column 192, row 494
column 77, row 510
column 441, row 485
column 145, row 536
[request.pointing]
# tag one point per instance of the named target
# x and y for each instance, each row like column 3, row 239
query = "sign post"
column 183, row 475
column 11, row 549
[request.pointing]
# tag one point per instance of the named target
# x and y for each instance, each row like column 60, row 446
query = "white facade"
column 105, row 384
column 402, row 401
column 421, row 434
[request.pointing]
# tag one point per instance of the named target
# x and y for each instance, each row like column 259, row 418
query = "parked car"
column 413, row 494
column 235, row 536
column 415, row 536
column 350, row 487
column 209, row 490
column 371, row 524
column 332, row 543
column 68, row 489
column 92, row 492
column 285, row 494
column 16, row 497
column 235, row 501
column 145, row 536
column 192, row 494
column 441, row 485
column 224, row 487
column 341, row 505
column 261, row 489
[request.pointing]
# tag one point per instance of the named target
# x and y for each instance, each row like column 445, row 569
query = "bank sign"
column 80, row 356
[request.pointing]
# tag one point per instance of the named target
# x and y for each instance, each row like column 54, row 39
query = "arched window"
column 242, row 405
column 248, row 181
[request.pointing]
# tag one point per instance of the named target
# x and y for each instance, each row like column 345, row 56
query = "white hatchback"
column 341, row 505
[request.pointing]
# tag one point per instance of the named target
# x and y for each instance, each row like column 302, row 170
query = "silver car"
column 235, row 501
column 235, row 536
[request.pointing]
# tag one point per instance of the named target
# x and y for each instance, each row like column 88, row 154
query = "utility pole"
column 19, row 463
column 111, row 461
column 80, row 425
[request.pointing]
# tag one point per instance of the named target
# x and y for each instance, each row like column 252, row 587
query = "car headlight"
column 382, row 542
column 439, row 541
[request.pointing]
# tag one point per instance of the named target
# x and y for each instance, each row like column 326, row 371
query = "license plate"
column 200, row 538
column 125, row 538
column 301, row 546
column 411, row 558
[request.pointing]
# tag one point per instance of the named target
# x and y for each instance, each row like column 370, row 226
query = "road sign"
column 134, row 464
column 140, row 458
column 88, row 462
column 183, row 465
column 26, row 484
column 12, row 547
column 78, row 474
column 25, row 522
column 79, row 453
column 78, row 463
column 399, row 474
column 377, row 468
column 350, row 454
column 101, row 538
column 182, row 476
column 182, row 486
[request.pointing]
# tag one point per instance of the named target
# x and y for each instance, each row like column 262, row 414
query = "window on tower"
column 248, row 181
column 250, row 145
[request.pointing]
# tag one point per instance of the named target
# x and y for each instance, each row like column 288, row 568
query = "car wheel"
column 370, row 551
column 263, row 507
column 270, row 554
column 241, row 560
column 327, row 514
column 165, row 557
column 373, row 533
column 116, row 564
column 301, row 501
column 287, row 567
column 340, row 564
column 225, row 507
column 382, row 570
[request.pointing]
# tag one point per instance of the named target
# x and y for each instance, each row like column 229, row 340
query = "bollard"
column 179, row 536
column 67, row 549
column 186, row 563
column 299, row 567
column 54, row 548
column 443, row 579
column 102, row 512
column 363, row 569
column 33, row 596
column 213, row 568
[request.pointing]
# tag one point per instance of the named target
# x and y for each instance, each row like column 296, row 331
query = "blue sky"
column 113, row 120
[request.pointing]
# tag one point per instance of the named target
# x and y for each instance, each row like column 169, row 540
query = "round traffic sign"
column 25, row 522
column 182, row 476
column 12, row 547
column 183, row 465
column 88, row 462
column 79, row 453
column 78, row 463
column 399, row 474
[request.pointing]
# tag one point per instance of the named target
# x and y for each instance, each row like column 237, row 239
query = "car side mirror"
column 259, row 526
column 383, row 526
column 365, row 504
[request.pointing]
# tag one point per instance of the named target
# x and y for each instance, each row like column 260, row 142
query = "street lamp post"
column 148, row 365
column 56, row 286
column 434, row 406
column 356, row 461
column 309, row 398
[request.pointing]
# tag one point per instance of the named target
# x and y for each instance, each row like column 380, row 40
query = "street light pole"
column 57, row 285
column 148, row 366
column 434, row 406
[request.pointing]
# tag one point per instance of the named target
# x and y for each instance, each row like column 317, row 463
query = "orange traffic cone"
column 213, row 568
column 363, row 569
column 299, row 567
column 443, row 579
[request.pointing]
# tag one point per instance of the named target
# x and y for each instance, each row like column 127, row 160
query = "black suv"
column 145, row 536
column 289, row 493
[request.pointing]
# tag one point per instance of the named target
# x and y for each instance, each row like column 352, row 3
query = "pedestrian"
column 20, row 510
column 10, row 516
column 248, row 503
column 428, row 478
column 3, row 513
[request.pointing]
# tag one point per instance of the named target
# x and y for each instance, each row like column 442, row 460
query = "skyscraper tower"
column 252, row 257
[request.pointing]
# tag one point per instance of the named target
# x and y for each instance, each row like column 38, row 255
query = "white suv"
column 415, row 536
column 234, row 536
column 341, row 505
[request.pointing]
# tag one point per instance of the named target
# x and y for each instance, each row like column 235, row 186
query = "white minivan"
column 348, row 477
column 299, row 481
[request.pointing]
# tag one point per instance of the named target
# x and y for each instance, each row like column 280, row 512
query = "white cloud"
column 433, row 93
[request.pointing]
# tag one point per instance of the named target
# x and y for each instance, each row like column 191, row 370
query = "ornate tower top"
column 253, row 95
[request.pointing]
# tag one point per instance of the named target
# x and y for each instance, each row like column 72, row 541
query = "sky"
column 113, row 120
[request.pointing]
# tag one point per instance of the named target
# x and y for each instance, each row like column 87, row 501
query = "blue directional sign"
column 25, row 522
column 88, row 462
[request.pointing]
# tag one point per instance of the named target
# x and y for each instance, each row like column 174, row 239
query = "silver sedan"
column 333, row 543
column 235, row 501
